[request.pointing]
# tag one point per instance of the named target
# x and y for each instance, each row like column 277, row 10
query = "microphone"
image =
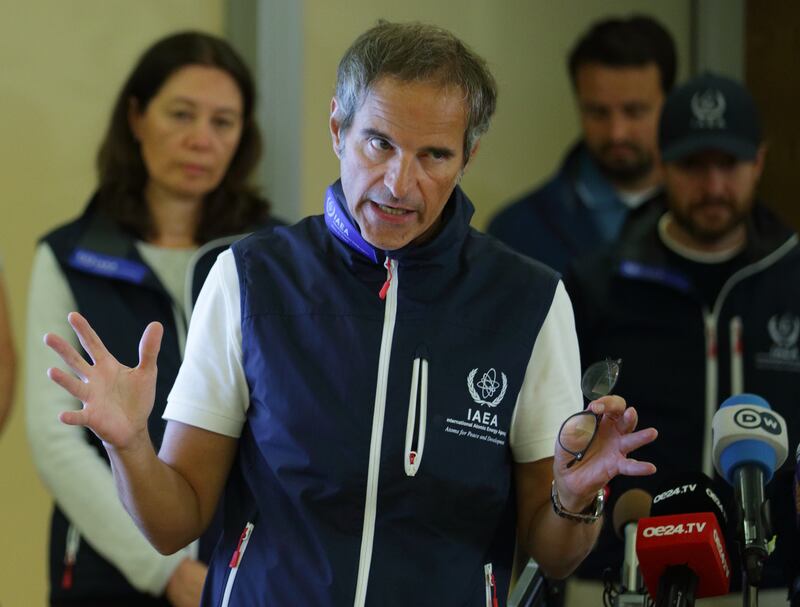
column 680, row 546
column 631, row 506
column 749, row 444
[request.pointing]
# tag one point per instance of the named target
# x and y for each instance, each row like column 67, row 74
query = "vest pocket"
column 70, row 556
column 417, row 413
column 236, row 561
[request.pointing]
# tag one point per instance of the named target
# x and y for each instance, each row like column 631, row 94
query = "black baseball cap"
column 709, row 112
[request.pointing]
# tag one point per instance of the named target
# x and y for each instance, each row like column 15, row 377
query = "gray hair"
column 416, row 52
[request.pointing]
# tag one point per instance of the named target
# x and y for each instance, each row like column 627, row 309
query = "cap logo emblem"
column 708, row 109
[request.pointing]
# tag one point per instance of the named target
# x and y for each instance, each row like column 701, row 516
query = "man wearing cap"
column 701, row 301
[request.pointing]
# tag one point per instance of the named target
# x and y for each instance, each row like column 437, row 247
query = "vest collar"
column 453, row 230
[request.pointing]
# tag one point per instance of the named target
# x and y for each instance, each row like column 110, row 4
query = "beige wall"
column 525, row 43
column 61, row 64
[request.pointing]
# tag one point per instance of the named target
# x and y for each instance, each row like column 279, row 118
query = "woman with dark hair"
column 172, row 193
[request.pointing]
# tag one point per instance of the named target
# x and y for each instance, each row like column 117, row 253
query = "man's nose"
column 714, row 180
column 400, row 175
column 618, row 127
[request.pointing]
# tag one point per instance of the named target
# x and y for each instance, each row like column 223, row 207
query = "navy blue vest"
column 120, row 295
column 312, row 326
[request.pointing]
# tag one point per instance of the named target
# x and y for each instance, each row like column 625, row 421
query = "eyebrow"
column 446, row 152
column 193, row 103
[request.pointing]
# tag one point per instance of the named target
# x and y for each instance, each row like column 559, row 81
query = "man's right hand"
column 185, row 587
column 117, row 400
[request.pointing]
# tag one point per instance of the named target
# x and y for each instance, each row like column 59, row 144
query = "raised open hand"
column 607, row 456
column 117, row 400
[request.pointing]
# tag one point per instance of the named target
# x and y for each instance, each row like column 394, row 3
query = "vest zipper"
column 417, row 403
column 371, row 499
column 70, row 556
column 236, row 561
column 491, row 586
column 737, row 356
column 712, row 392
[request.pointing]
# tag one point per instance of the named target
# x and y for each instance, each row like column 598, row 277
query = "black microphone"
column 631, row 506
column 680, row 546
column 750, row 443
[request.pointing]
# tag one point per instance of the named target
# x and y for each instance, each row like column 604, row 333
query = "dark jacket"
column 119, row 294
column 330, row 365
column 632, row 303
column 553, row 223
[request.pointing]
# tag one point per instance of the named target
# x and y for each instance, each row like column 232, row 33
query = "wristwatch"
column 589, row 515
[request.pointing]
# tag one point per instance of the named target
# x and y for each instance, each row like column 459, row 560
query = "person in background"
column 621, row 70
column 172, row 191
column 8, row 357
column 377, row 390
column 701, row 302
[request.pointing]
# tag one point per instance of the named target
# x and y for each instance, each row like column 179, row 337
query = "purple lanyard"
column 340, row 226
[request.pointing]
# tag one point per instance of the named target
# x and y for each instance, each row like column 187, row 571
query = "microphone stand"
column 749, row 593
column 752, row 530
column 631, row 595
column 677, row 587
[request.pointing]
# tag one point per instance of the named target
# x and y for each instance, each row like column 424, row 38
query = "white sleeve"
column 79, row 479
column 211, row 391
column 551, row 389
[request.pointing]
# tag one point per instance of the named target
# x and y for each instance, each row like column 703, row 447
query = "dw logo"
column 750, row 419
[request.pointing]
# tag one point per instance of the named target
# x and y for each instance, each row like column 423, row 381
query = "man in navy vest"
column 374, row 392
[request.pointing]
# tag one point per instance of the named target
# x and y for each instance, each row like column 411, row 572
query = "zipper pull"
column 488, row 579
column 238, row 552
column 66, row 579
column 385, row 288
column 70, row 556
column 411, row 457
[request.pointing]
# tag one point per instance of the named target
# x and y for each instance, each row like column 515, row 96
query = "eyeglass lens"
column 578, row 430
column 600, row 378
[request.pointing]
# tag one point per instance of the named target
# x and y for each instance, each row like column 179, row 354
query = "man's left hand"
column 606, row 458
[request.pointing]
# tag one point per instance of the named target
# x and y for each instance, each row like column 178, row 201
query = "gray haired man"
column 375, row 392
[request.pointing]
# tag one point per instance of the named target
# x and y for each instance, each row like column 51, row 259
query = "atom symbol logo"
column 488, row 384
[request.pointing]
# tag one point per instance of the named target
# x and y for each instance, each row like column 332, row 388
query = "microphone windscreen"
column 630, row 507
column 691, row 493
column 745, row 431
column 685, row 540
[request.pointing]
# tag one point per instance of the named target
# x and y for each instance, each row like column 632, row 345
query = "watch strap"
column 590, row 515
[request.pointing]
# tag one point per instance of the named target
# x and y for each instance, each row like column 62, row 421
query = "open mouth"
column 397, row 212
column 393, row 211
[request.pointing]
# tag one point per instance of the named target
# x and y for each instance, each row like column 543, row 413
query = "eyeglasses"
column 578, row 430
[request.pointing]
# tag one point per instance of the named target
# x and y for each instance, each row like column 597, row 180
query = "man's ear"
column 472, row 152
column 337, row 136
column 761, row 156
column 134, row 117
